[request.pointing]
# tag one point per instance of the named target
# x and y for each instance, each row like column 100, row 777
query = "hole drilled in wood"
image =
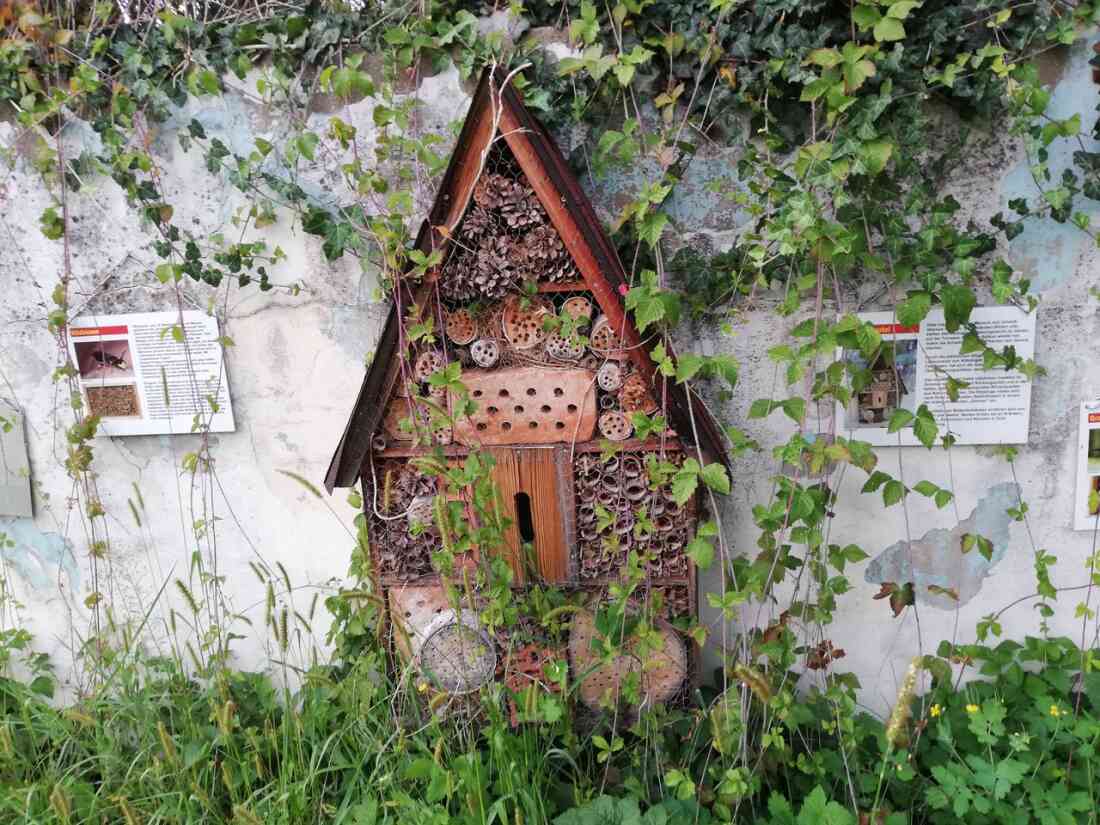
column 546, row 408
column 558, row 392
column 506, row 426
column 559, row 425
column 492, row 410
column 531, row 390
column 503, row 393
column 572, row 408
column 533, row 425
column 519, row 409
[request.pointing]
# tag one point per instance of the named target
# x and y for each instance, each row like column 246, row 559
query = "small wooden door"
column 537, row 497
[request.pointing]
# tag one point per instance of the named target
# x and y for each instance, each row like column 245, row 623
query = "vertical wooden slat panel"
column 539, row 479
column 506, row 475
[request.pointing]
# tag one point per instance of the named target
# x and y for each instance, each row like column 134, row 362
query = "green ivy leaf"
column 914, row 309
column 958, row 301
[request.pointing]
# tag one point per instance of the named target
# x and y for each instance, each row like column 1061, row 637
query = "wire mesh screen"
column 504, row 239
column 458, row 658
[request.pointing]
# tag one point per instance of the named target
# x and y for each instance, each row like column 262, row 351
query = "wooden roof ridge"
column 494, row 110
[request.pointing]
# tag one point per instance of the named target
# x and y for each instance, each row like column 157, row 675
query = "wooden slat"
column 506, row 476
column 538, row 478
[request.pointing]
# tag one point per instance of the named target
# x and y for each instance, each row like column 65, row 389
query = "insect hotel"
column 527, row 297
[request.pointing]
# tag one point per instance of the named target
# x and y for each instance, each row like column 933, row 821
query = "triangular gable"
column 501, row 112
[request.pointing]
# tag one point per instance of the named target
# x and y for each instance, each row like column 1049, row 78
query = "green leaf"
column 925, row 427
column 685, row 482
column 876, row 154
column 893, row 492
column 889, row 29
column 865, row 17
column 651, row 227
column 687, row 366
column 715, row 477
column 763, row 407
column 876, row 480
column 795, row 409
column 925, row 488
column 958, row 301
column 898, row 420
column 914, row 309
column 900, row 9
column 701, row 552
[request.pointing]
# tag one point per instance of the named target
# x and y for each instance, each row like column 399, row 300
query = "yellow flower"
column 971, row 708
column 422, row 687
column 935, row 710
column 1055, row 711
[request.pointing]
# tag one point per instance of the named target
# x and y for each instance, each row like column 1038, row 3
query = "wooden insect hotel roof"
column 498, row 121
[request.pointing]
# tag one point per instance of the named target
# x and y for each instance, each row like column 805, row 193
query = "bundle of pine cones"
column 505, row 237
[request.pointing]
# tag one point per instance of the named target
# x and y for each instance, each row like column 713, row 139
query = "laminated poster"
column 1086, row 504
column 993, row 409
column 152, row 373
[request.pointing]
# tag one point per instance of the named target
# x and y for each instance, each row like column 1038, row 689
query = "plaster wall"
column 298, row 361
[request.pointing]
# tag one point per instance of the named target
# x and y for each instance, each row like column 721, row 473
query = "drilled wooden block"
column 529, row 405
column 661, row 671
column 412, row 610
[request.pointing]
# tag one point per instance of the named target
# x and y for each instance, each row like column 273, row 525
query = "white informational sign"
column 1086, row 497
column 152, row 373
column 915, row 365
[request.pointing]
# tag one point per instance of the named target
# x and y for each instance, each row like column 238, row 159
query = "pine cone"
column 457, row 281
column 545, row 256
column 495, row 271
column 492, row 190
column 478, row 222
column 523, row 211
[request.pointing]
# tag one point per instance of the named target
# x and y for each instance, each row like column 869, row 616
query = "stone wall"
column 297, row 362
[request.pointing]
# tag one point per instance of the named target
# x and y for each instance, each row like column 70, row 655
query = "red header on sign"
column 895, row 329
column 1094, row 418
column 84, row 332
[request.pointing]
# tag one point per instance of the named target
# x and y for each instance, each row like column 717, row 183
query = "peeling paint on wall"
column 1045, row 250
column 937, row 558
column 38, row 557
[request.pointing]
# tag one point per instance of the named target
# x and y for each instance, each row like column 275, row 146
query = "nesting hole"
column 545, row 408
column 559, row 425
column 531, row 390
column 572, row 408
column 558, row 392
column 492, row 410
column 519, row 409
column 506, row 426
column 533, row 425
column 503, row 393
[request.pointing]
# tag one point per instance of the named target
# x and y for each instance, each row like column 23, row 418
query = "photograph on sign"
column 1086, row 504
column 152, row 373
column 913, row 366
